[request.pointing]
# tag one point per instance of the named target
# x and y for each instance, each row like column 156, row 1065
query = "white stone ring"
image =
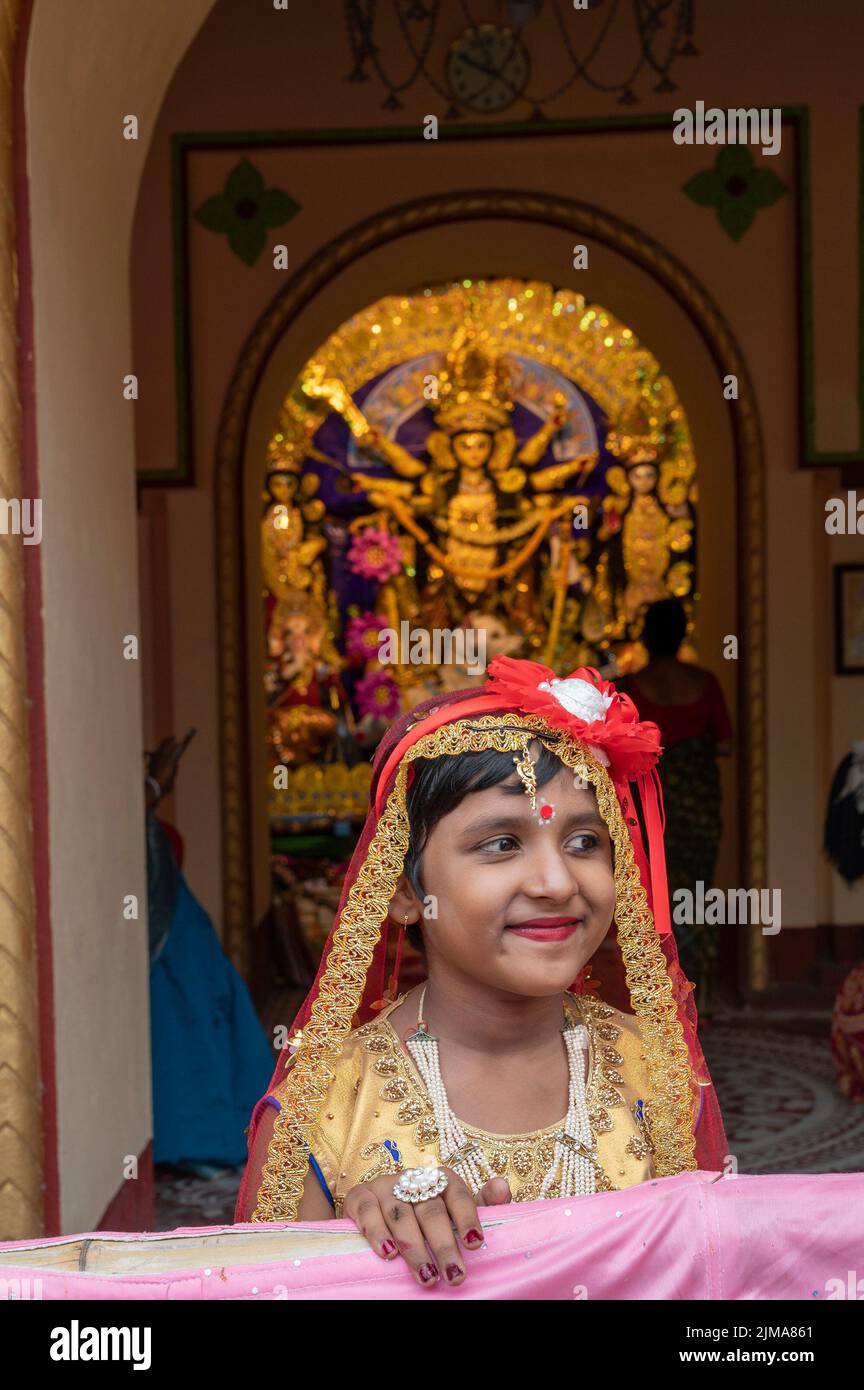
column 420, row 1184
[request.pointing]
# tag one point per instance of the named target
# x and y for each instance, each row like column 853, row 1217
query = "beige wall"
column 88, row 65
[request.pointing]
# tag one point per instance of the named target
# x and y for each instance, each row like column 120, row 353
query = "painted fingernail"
column 453, row 1272
column 474, row 1237
column 428, row 1273
column 389, row 1247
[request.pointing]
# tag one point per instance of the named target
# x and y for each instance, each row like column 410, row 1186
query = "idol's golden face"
column 517, row 905
column 302, row 638
column 282, row 489
column 643, row 477
column 472, row 449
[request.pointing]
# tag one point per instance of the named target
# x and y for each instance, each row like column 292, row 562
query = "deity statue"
column 490, row 459
column 302, row 682
column 291, row 546
column 290, row 551
column 482, row 527
column 493, row 637
column 647, row 523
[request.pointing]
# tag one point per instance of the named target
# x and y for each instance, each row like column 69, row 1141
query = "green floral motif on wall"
column 737, row 188
column 245, row 211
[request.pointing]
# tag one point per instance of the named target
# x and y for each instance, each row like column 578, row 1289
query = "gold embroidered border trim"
column 302, row 1093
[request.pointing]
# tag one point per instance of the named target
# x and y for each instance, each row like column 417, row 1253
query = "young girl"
column 509, row 831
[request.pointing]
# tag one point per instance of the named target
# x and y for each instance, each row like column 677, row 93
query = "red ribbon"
column 652, row 866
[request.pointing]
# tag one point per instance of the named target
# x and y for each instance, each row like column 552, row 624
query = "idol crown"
column 474, row 390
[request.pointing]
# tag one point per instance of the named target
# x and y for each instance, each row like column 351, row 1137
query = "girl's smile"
column 548, row 929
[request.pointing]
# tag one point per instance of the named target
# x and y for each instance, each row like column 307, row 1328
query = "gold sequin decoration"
column 603, row 1010
column 530, row 1192
column 397, row 1089
column 545, row 1153
column 426, row 1132
column 386, row 1066
column 385, row 1162
column 608, row 1031
column 409, row 1112
column 638, row 1146
column 523, row 1162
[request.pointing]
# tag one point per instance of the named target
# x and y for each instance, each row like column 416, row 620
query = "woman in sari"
column 514, row 829
column 687, row 705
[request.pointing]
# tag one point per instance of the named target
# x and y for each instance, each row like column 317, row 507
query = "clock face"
column 487, row 68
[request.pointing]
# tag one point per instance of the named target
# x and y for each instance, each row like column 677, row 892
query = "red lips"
column 546, row 922
column 547, row 928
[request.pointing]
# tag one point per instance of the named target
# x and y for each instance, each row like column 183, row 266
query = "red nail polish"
column 427, row 1273
column 389, row 1247
column 453, row 1272
column 474, row 1236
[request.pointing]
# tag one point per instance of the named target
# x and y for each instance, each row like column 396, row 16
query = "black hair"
column 665, row 626
column 440, row 784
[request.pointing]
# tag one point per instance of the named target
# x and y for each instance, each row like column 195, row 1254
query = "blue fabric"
column 313, row 1163
column 163, row 878
column 211, row 1057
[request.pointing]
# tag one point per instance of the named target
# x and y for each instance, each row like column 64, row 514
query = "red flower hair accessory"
column 583, row 705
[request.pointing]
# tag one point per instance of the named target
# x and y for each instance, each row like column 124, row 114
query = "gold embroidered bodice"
column 377, row 1117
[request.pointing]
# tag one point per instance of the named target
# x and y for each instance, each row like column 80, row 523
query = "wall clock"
column 488, row 68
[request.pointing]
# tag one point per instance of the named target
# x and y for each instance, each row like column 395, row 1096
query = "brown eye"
column 592, row 841
column 507, row 840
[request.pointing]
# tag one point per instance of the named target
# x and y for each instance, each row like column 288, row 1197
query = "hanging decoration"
column 488, row 68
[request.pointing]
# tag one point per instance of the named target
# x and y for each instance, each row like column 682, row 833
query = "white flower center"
column 578, row 697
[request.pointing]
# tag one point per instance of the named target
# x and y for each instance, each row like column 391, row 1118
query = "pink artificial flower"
column 378, row 694
column 361, row 635
column 375, row 554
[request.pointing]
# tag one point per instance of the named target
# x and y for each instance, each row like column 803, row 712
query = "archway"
column 437, row 238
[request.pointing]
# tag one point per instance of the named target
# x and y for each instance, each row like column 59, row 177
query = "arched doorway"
column 443, row 237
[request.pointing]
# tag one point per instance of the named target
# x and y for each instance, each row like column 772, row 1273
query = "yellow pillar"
column 20, row 1103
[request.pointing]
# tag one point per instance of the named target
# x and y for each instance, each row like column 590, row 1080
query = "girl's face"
column 492, row 867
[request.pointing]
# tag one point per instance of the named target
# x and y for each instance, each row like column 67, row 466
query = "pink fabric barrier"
column 687, row 1237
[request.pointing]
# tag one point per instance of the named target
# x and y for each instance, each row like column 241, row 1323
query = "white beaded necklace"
column 575, row 1156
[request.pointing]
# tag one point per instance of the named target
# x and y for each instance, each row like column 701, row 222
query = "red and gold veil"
column 595, row 731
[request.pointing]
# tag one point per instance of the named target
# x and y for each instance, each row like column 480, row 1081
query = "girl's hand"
column 393, row 1227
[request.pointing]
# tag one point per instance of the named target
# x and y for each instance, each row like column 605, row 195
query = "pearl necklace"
column 575, row 1156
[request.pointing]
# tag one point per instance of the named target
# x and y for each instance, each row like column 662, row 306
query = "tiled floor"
column 775, row 1082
